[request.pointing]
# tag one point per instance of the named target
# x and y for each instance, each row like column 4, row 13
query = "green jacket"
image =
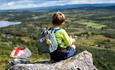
column 63, row 38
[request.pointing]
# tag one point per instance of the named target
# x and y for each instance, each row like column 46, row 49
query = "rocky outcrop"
column 82, row 61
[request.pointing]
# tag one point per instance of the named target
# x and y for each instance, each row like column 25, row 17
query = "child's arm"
column 69, row 41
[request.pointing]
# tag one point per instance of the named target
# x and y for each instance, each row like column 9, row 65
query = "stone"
column 81, row 61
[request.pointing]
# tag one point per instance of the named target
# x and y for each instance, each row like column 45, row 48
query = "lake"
column 8, row 23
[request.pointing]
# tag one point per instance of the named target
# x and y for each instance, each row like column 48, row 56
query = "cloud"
column 91, row 1
column 18, row 4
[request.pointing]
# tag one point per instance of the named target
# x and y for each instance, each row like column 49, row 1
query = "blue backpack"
column 47, row 34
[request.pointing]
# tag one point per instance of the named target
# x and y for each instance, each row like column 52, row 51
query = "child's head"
column 58, row 18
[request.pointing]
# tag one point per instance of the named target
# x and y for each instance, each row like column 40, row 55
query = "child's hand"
column 73, row 38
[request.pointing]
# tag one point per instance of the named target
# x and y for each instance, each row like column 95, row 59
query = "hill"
column 95, row 28
column 69, row 6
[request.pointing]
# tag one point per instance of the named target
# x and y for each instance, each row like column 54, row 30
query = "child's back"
column 66, row 48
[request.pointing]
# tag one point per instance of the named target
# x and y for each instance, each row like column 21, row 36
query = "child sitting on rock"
column 66, row 48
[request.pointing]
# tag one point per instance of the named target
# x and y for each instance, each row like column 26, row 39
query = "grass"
column 103, row 58
column 93, row 27
column 92, row 24
column 93, row 40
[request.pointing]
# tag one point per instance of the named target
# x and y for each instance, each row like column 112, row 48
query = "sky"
column 20, row 4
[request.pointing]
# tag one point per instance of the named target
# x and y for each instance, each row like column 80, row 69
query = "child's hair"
column 58, row 18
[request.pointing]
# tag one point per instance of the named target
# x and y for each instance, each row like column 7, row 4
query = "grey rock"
column 82, row 61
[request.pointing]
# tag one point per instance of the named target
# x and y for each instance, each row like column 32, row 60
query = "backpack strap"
column 54, row 30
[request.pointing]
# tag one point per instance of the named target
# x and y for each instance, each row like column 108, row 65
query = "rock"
column 82, row 61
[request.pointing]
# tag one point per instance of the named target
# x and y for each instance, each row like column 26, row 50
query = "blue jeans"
column 61, row 54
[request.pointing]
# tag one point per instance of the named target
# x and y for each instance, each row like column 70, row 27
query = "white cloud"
column 90, row 1
column 17, row 4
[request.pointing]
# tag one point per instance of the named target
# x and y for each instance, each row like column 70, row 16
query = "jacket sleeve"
column 68, row 41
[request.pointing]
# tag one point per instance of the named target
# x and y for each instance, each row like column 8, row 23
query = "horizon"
column 19, row 4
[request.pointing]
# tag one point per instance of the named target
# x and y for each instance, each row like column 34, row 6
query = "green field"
column 95, row 29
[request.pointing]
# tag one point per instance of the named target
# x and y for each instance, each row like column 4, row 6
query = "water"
column 7, row 23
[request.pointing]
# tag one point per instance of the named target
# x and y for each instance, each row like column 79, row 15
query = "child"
column 66, row 48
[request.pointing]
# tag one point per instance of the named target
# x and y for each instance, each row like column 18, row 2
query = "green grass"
column 92, row 24
column 103, row 58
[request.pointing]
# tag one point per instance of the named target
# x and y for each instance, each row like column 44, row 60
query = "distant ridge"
column 75, row 6
column 69, row 6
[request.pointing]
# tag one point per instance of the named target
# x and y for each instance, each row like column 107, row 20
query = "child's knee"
column 73, row 46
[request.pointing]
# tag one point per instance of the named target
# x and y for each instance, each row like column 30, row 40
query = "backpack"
column 47, row 36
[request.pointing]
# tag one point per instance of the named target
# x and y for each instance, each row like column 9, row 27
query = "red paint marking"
column 17, row 50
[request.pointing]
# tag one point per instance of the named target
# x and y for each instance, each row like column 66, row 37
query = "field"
column 95, row 28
